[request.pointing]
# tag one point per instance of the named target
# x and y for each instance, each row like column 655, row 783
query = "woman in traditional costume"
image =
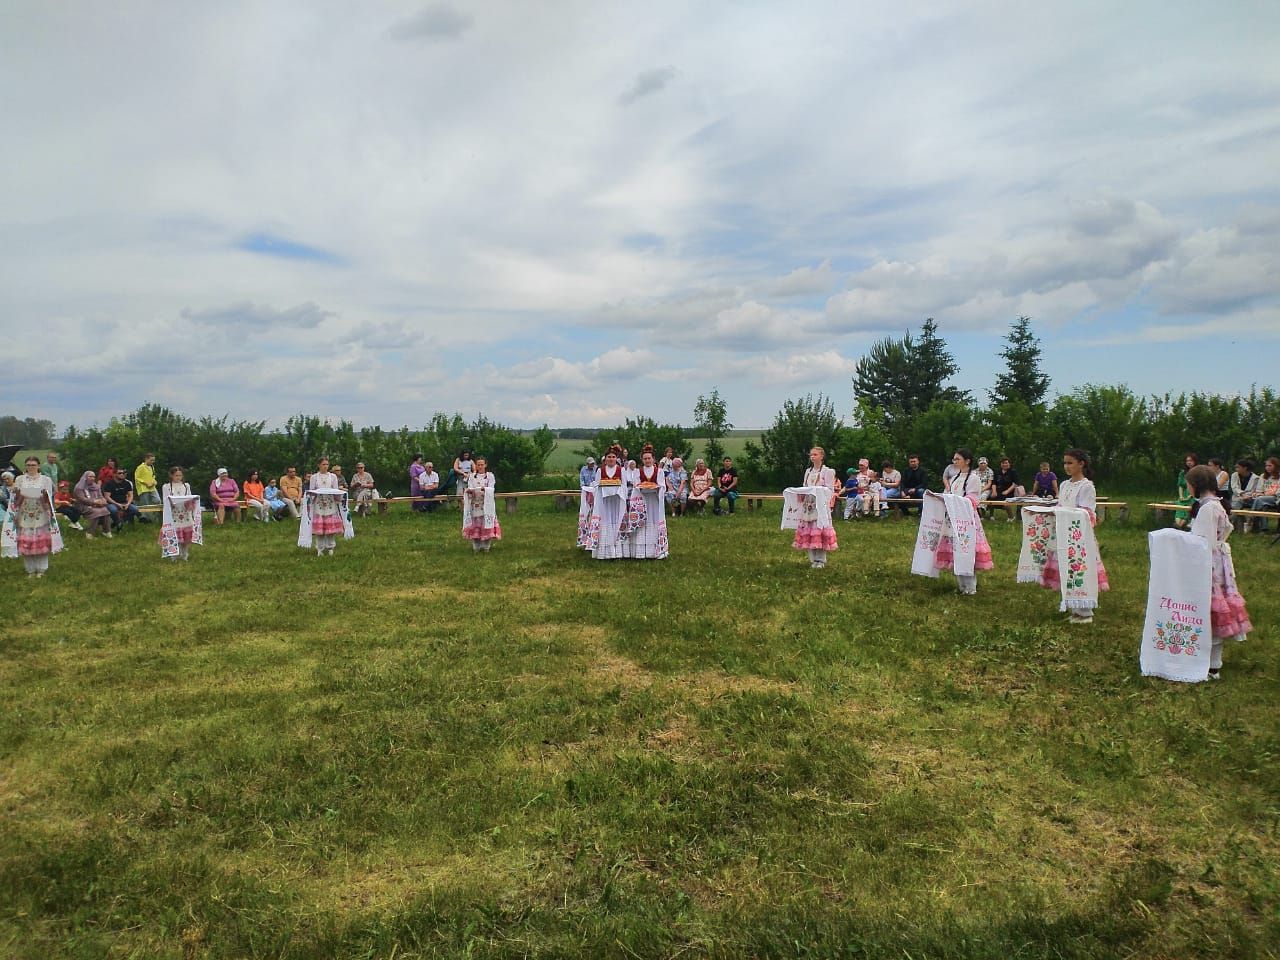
column 91, row 503
column 30, row 526
column 609, row 511
column 1062, row 535
column 951, row 535
column 1228, row 617
column 324, row 512
column 646, row 510
column 807, row 510
column 181, row 522
column 479, row 510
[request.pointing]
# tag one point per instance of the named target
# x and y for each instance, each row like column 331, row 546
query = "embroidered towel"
column 1175, row 637
column 1066, row 535
column 187, row 509
column 806, row 503
column 933, row 517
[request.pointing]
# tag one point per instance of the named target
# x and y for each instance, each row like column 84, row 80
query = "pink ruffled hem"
column 323, row 526
column 474, row 531
column 944, row 559
column 35, row 545
column 187, row 534
column 1051, row 581
column 1228, row 616
column 815, row 538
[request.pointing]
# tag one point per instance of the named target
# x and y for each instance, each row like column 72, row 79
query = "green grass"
column 564, row 460
column 410, row 751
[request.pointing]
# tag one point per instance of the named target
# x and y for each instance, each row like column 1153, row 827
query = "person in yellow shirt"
column 291, row 487
column 144, row 482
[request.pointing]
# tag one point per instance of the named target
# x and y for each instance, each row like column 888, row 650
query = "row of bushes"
column 202, row 446
column 1135, row 441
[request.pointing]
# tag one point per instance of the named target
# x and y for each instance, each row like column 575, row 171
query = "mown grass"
column 411, row 751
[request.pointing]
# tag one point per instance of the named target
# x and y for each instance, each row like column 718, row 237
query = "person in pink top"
column 224, row 495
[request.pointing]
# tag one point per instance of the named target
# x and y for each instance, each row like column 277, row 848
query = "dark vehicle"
column 7, row 453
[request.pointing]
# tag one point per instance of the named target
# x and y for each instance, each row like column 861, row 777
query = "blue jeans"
column 731, row 496
column 121, row 514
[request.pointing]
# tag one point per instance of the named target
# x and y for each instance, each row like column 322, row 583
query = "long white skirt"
column 649, row 542
column 608, row 515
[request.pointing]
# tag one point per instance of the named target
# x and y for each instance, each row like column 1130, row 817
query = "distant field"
column 563, row 459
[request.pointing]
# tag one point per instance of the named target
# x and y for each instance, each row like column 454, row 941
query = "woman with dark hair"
column 647, row 534
column 609, row 509
column 1228, row 617
column 181, row 522
column 324, row 512
column 416, row 472
column 1059, row 537
column 951, row 535
column 255, row 496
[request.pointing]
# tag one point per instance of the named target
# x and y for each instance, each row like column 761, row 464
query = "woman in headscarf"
column 92, row 505
column 30, row 525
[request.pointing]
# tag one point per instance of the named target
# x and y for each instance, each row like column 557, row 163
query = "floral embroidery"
column 1076, row 557
column 1178, row 638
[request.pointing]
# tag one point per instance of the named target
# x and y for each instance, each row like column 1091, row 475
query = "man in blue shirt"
column 589, row 474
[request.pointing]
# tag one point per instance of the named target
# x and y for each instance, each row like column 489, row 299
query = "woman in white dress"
column 965, row 483
column 646, row 510
column 609, row 509
column 814, row 530
column 30, row 527
column 479, row 513
column 325, row 513
column 181, row 522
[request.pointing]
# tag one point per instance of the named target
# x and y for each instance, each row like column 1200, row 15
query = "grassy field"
column 410, row 751
column 564, row 460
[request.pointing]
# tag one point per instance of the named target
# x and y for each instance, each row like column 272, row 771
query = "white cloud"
column 484, row 195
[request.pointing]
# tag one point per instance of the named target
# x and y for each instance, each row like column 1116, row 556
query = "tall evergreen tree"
column 1023, row 380
column 933, row 365
column 883, row 377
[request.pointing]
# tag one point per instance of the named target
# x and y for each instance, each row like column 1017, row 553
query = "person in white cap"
column 589, row 474
column 987, row 478
column 224, row 495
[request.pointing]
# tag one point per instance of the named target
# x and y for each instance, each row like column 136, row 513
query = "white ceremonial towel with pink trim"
column 1176, row 637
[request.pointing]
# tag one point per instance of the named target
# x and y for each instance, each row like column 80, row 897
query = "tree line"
column 903, row 403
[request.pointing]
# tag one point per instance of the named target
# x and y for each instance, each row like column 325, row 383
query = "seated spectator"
column 1045, row 483
column 276, row 503
column 1005, row 482
column 677, row 487
column 668, row 458
column 1183, row 517
column 589, row 473
column 891, row 480
column 416, row 493
column 1242, row 486
column 362, row 489
column 92, row 505
column 119, row 491
column 1267, row 495
column 429, row 483
column 700, row 483
column 726, row 486
column 62, row 504
column 255, row 497
column 224, row 495
column 862, row 492
column 342, row 480
column 986, row 481
column 1224, row 481
column 6, row 490
column 108, row 472
column 291, row 489
column 914, row 484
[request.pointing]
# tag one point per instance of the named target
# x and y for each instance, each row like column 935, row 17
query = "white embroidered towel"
column 1176, row 635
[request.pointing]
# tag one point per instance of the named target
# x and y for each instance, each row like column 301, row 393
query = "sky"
column 575, row 212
